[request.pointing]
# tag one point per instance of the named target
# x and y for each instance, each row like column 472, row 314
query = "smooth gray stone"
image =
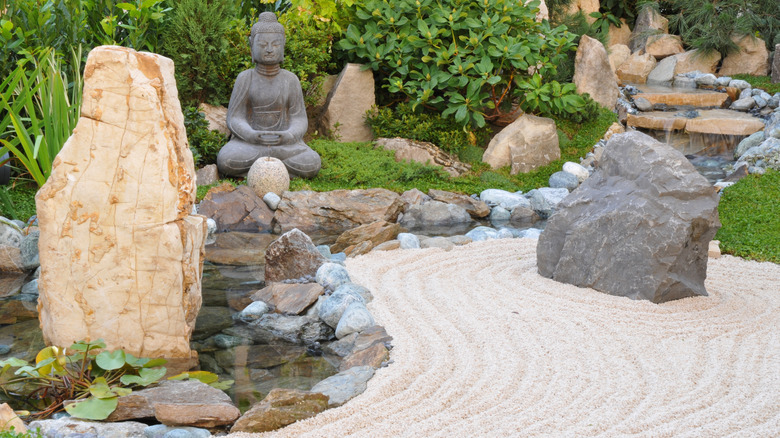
column 499, row 214
column 437, row 242
column 743, row 104
column 324, row 250
column 345, row 385
column 760, row 103
column 332, row 275
column 460, row 240
column 563, row 180
column 341, row 347
column 266, row 114
column 723, row 81
column 706, row 79
column 356, row 290
column 739, row 84
column 544, row 200
column 163, row 431
column 254, row 311
column 643, row 104
column 508, row 200
column 333, row 307
column 764, row 95
column 482, row 233
column 339, row 257
column 764, row 156
column 29, row 250
column 748, row 142
column 639, row 227
column 211, row 230
column 31, row 288
column 663, row 72
column 505, row 233
column 72, row 428
column 10, row 233
column 531, row 233
column 433, row 213
column 226, row 341
column 355, row 319
column 293, row 329
column 747, row 92
column 272, row 200
column 772, row 128
column 408, row 241
column 684, row 82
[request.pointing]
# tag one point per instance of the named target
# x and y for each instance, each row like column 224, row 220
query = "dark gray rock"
column 31, row 288
column 236, row 209
column 545, row 200
column 523, row 217
column 210, row 321
column 345, row 385
column 292, row 256
column 29, row 250
column 639, row 227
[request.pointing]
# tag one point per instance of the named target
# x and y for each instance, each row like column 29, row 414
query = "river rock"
column 121, row 252
column 272, row 200
column 10, row 233
column 434, row 213
column 743, row 104
column 523, row 217
column 289, row 299
column 425, row 153
column 459, row 240
column 355, row 319
column 482, row 233
column 163, row 431
column 638, row 227
column 772, row 128
column 508, row 200
column 345, row 385
column 336, row 211
column 592, row 72
column 273, row 327
column 347, row 103
column 437, row 242
column 499, row 214
column 254, row 311
column 356, row 290
column 693, row 60
column 563, row 180
column 178, row 403
column 280, row 408
column 408, row 241
column 636, row 68
column 374, row 233
column 752, row 57
column 75, row 428
column 764, row 156
column 211, row 320
column 292, row 256
column 333, row 307
column 545, row 200
column 332, row 275
column 236, row 209
column 664, row 45
column 474, row 207
column 577, row 170
column 526, row 144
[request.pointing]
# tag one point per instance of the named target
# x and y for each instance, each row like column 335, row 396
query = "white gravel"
column 484, row 346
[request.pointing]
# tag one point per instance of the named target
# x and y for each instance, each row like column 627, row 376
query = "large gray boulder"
column 639, row 227
column 434, row 213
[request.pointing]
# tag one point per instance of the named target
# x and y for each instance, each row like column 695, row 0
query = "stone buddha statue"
column 266, row 114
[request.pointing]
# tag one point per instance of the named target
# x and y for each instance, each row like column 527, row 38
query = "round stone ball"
column 268, row 174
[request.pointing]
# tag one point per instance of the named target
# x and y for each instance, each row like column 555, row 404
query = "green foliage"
column 95, row 380
column 39, row 112
column 750, row 217
column 132, row 23
column 709, row 25
column 463, row 58
column 552, row 99
column 204, row 143
column 18, row 201
column 617, row 9
column 762, row 82
column 403, row 121
column 29, row 434
column 195, row 40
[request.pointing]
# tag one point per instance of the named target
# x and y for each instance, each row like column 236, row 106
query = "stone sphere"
column 268, row 174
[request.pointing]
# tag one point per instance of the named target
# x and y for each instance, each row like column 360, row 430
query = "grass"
column 762, row 82
column 21, row 195
column 750, row 213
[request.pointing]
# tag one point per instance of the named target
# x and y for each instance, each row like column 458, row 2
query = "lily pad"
column 93, row 408
column 111, row 360
column 146, row 376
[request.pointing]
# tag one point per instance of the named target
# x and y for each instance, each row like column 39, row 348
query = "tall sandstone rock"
column 121, row 255
column 593, row 74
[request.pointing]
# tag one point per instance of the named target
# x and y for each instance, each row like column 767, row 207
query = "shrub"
column 204, row 143
column 750, row 213
column 403, row 121
column 195, row 40
column 463, row 58
column 709, row 25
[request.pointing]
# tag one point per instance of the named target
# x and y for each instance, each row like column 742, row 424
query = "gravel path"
column 484, row 346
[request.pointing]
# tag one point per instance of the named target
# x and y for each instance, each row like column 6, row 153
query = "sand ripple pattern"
column 484, row 346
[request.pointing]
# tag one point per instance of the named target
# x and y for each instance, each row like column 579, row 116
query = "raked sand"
column 485, row 347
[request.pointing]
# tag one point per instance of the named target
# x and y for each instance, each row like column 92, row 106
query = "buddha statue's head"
column 266, row 40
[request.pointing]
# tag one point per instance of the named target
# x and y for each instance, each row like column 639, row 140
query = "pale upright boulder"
column 636, row 68
column 647, row 23
column 663, row 45
column 618, row 54
column 619, row 35
column 543, row 13
column 121, row 254
column 776, row 65
column 527, row 143
column 592, row 72
column 347, row 103
column 694, row 60
column 752, row 58
column 216, row 116
column 587, row 7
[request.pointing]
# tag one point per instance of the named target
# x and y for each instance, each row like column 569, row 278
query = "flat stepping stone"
column 696, row 98
column 717, row 121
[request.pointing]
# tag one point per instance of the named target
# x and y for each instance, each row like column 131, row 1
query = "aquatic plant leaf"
column 151, row 363
column 100, row 389
column 223, row 384
column 93, row 408
column 47, row 359
column 87, row 346
column 111, row 360
column 203, row 376
column 13, row 362
column 146, row 376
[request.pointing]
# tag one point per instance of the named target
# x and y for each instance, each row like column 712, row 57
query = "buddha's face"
column 268, row 48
